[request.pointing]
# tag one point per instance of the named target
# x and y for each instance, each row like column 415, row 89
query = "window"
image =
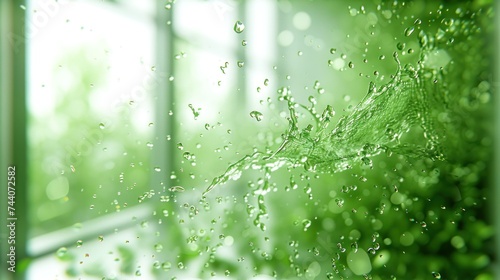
column 266, row 139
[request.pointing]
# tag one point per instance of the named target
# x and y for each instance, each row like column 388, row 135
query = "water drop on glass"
column 61, row 252
column 187, row 155
column 176, row 189
column 401, row 46
column 256, row 115
column 239, row 27
column 166, row 266
column 158, row 247
column 409, row 31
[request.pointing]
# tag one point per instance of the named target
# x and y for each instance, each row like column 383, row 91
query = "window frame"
column 14, row 146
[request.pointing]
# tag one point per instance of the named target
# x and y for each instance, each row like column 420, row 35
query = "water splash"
column 375, row 125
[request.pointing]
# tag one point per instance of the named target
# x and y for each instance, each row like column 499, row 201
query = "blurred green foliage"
column 83, row 163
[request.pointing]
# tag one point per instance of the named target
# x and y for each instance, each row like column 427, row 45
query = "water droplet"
column 239, row 27
column 168, row 6
column 100, row 238
column 176, row 189
column 158, row 247
column 102, row 126
column 153, row 68
column 307, row 189
column 61, row 252
column 366, row 161
column 333, row 50
column 180, row 146
column 382, row 57
column 436, row 275
column 240, row 64
column 409, row 31
column 300, row 53
column 157, row 169
column 244, row 43
column 340, row 202
column 266, row 82
column 72, row 168
column 150, row 145
column 256, row 115
column 306, row 224
column 166, row 266
column 180, row 265
column 187, row 155
column 79, row 243
column 195, row 112
column 351, row 64
column 354, row 247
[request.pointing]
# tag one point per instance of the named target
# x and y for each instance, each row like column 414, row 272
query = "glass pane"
column 378, row 186
column 90, row 105
column 310, row 141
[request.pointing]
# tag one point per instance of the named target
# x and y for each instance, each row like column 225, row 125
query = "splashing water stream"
column 375, row 125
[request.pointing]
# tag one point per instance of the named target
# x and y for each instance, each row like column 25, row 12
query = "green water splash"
column 377, row 124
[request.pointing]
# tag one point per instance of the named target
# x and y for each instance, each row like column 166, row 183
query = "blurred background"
column 118, row 115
